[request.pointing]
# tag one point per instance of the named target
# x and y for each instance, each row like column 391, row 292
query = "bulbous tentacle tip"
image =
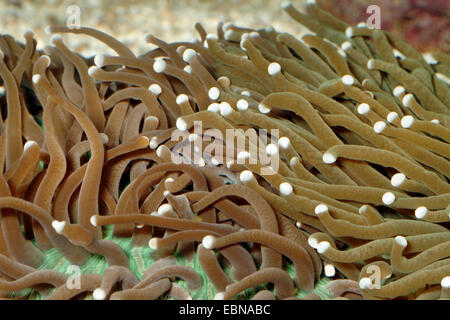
column 214, row 93
column 321, row 208
column 93, row 221
column 329, row 158
column 323, row 246
column 58, row 226
column 219, row 296
column 99, row 294
column 421, row 212
column 365, row 283
column 401, row 241
column 208, row 242
column 286, row 189
column 153, row 243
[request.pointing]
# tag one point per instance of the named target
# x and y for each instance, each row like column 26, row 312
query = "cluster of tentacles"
column 360, row 191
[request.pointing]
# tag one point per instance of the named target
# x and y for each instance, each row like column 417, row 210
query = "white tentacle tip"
column 271, row 149
column 349, row 32
column 201, row 163
column 407, row 99
column 398, row 54
column 58, row 226
column 363, row 108
column 346, row 45
column 47, row 59
column 320, row 209
column 407, row 121
column 421, row 212
column 214, row 161
column 93, row 221
column 164, row 208
column 93, row 70
column 48, row 30
column 188, row 69
column 313, row 243
column 294, row 161
column 224, row 82
column 155, row 89
column 263, row 109
column 214, row 93
column 243, row 155
column 284, row 142
column 388, row 198
column 371, row 64
column 379, row 126
column 242, row 43
column 365, row 283
column 363, row 209
column 445, row 282
column 29, row 144
column 104, row 137
column 225, row 109
column 397, row 179
column 208, row 242
column 246, row 176
column 242, row 105
column 430, row 59
column 159, row 66
column 274, row 68
column 348, row 80
column 99, row 294
column 212, row 36
column 36, row 78
column 99, row 60
column 329, row 158
column 219, row 296
column 55, row 39
column 330, row 270
column 153, row 243
column 182, row 98
column 286, row 4
column 214, row 107
column 401, row 241
column 193, row 137
column 181, row 124
column 399, row 91
column 323, row 246
column 160, row 151
column 286, row 189
column 392, row 116
column 189, row 54
column 443, row 78
column 153, row 143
